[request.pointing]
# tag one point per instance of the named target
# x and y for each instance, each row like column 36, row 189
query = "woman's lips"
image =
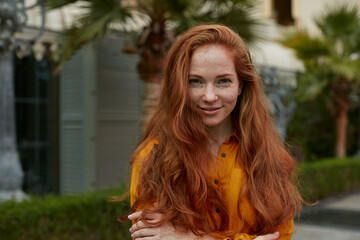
column 210, row 110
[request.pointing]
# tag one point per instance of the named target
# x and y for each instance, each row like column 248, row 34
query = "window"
column 282, row 12
column 35, row 125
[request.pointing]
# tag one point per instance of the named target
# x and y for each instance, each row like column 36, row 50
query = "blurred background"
column 78, row 78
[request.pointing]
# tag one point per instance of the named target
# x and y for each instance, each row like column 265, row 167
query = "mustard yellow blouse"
column 229, row 175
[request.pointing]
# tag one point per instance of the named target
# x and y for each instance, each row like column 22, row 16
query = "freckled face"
column 214, row 84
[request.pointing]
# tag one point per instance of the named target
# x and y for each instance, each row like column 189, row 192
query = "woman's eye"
column 194, row 82
column 224, row 81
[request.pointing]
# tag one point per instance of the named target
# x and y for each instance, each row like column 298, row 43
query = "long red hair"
column 175, row 174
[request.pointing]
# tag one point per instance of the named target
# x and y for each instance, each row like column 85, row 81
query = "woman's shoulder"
column 145, row 148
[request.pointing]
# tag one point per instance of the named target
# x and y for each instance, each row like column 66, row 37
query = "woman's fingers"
column 144, row 232
column 154, row 217
column 140, row 229
column 136, row 226
column 272, row 236
column 151, row 218
column 135, row 215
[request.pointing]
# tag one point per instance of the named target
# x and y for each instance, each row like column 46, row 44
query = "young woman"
column 210, row 164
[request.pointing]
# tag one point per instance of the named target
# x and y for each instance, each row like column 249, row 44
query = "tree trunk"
column 341, row 129
column 342, row 106
column 11, row 174
column 153, row 51
column 151, row 99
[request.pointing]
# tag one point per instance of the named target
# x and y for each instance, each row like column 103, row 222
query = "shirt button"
column 231, row 138
column 223, row 154
column 218, row 210
column 216, row 181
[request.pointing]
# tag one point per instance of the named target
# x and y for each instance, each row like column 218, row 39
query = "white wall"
column 56, row 20
column 307, row 10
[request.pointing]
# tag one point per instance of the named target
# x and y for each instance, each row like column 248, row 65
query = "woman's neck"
column 218, row 135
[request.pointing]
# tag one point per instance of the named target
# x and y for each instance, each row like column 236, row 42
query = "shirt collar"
column 233, row 137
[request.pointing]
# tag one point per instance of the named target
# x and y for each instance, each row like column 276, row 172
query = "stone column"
column 11, row 174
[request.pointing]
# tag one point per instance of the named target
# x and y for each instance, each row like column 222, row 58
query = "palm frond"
column 341, row 26
column 313, row 83
column 100, row 14
column 234, row 13
column 70, row 42
column 339, row 21
column 54, row 4
column 93, row 24
column 347, row 68
column 240, row 19
column 306, row 47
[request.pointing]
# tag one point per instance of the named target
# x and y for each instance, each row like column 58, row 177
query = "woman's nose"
column 210, row 94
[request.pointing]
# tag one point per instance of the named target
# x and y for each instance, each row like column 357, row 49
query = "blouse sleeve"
column 136, row 170
column 134, row 181
column 286, row 230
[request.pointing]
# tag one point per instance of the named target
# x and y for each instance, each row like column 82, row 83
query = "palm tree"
column 166, row 19
column 333, row 64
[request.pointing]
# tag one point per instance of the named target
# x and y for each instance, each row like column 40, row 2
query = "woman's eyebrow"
column 194, row 75
column 218, row 76
column 225, row 75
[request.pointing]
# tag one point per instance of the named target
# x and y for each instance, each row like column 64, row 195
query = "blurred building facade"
column 77, row 129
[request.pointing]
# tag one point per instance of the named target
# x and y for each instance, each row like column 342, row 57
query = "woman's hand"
column 271, row 236
column 165, row 231
column 140, row 230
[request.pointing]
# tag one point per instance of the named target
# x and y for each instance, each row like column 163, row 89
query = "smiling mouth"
column 210, row 111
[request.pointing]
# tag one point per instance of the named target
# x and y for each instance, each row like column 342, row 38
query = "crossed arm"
column 140, row 231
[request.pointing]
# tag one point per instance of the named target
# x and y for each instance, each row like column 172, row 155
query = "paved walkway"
column 335, row 218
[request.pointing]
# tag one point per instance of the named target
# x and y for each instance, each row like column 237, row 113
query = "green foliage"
column 99, row 15
column 331, row 57
column 159, row 8
column 86, row 216
column 332, row 64
column 91, row 25
column 306, row 48
column 313, row 83
column 233, row 13
column 310, row 132
column 341, row 27
column 53, row 4
column 329, row 177
column 349, row 68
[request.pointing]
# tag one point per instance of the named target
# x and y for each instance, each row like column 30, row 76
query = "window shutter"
column 119, row 110
column 77, row 122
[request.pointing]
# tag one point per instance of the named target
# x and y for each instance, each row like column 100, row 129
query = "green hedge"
column 329, row 177
column 92, row 216
column 87, row 216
